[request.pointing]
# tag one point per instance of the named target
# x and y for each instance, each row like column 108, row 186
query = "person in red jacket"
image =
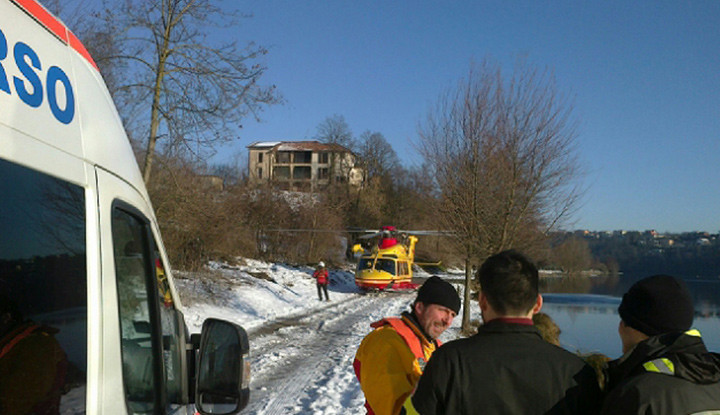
column 322, row 279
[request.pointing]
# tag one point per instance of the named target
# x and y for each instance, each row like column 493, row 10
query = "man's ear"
column 538, row 304
column 482, row 301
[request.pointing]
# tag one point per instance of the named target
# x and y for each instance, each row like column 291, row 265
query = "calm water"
column 586, row 311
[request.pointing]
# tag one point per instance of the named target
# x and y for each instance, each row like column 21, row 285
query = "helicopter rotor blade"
column 370, row 233
column 427, row 232
column 370, row 236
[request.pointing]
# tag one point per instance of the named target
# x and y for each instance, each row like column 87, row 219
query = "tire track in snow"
column 303, row 363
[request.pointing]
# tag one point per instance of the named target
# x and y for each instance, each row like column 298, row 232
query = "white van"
column 89, row 318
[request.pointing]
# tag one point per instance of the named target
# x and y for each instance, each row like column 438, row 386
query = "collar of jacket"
column 516, row 320
column 688, row 354
column 502, row 325
column 414, row 324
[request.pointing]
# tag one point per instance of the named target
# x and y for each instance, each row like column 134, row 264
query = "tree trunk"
column 154, row 125
column 466, row 299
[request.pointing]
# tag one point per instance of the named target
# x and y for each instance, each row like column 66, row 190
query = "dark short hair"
column 509, row 281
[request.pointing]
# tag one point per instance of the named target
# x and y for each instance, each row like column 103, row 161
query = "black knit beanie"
column 658, row 304
column 435, row 290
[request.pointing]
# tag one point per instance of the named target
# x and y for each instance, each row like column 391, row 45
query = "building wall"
column 257, row 169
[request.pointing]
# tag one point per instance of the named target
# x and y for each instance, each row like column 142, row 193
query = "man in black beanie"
column 507, row 367
column 666, row 368
column 391, row 358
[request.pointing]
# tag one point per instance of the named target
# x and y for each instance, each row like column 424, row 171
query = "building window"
column 259, row 175
column 283, row 157
column 260, row 157
column 302, row 157
column 323, row 173
column 324, row 158
column 301, row 173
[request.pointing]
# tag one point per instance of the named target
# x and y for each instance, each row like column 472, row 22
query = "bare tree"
column 98, row 36
column 182, row 84
column 503, row 157
column 199, row 219
column 377, row 156
column 335, row 130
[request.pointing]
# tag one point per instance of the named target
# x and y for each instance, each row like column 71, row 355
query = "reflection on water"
column 586, row 311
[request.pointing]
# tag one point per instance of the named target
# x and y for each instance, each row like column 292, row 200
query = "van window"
column 172, row 327
column 146, row 304
column 43, row 293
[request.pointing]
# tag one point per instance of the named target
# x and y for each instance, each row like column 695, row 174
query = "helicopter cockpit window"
column 387, row 265
column 365, row 263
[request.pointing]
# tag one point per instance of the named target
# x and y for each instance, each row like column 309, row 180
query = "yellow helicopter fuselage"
column 386, row 268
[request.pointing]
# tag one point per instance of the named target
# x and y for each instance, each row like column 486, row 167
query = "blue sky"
column 644, row 77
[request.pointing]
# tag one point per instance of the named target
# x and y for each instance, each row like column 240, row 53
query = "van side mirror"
column 223, row 374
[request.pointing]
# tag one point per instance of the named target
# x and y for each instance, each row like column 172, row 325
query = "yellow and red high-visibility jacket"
column 389, row 363
column 33, row 367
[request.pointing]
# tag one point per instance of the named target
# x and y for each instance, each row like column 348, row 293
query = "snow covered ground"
column 302, row 349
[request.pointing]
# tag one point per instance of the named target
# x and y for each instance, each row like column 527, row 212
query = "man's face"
column 434, row 318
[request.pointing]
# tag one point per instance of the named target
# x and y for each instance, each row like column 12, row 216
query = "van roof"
column 54, row 26
column 92, row 129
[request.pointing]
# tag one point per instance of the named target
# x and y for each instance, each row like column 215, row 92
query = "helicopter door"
column 403, row 269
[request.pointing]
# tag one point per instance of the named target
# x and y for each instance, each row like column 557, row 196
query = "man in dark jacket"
column 507, row 367
column 666, row 368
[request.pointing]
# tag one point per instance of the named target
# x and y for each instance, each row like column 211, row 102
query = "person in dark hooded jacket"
column 666, row 368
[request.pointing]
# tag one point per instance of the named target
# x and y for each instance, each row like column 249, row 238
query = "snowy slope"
column 302, row 349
